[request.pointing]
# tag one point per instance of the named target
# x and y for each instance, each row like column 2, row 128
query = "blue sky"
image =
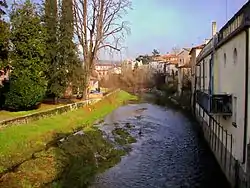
column 163, row 24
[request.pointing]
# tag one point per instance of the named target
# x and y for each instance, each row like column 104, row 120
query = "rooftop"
column 201, row 46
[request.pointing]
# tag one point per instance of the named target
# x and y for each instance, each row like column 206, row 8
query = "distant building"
column 116, row 70
column 131, row 64
column 93, row 83
column 194, row 52
column 184, row 69
column 165, row 64
column 103, row 69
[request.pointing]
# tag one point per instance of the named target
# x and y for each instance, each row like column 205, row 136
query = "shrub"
column 25, row 93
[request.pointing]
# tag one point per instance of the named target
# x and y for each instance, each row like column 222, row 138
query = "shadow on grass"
column 85, row 155
column 68, row 161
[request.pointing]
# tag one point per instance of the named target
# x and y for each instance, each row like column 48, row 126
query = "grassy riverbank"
column 33, row 155
column 4, row 115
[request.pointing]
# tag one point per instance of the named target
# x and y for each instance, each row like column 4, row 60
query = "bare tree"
column 99, row 25
column 132, row 80
column 176, row 50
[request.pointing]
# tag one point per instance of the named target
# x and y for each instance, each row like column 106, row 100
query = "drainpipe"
column 246, row 97
column 211, row 63
column 194, row 94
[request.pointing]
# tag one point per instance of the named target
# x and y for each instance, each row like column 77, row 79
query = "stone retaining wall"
column 51, row 112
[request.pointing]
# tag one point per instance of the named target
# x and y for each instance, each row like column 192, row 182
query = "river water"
column 169, row 152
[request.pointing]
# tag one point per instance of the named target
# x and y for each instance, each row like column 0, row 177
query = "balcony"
column 219, row 104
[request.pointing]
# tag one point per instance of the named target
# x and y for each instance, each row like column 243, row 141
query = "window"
column 234, row 122
column 225, row 59
column 235, row 56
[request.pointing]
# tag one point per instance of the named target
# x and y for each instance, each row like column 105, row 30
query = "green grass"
column 19, row 143
column 73, row 163
column 8, row 115
column 122, row 137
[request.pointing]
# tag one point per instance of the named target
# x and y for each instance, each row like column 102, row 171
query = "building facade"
column 184, row 69
column 166, row 63
column 103, row 69
column 221, row 89
column 194, row 52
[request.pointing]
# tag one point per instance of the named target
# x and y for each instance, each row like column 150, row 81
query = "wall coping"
column 50, row 112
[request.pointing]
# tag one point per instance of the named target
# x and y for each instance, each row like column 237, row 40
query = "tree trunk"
column 86, row 85
column 55, row 100
column 85, row 91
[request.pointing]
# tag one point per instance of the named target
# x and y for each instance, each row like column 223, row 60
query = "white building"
column 156, row 66
column 130, row 65
column 222, row 94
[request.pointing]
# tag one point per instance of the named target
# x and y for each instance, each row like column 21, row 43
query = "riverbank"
column 47, row 104
column 47, row 153
column 167, row 96
column 168, row 153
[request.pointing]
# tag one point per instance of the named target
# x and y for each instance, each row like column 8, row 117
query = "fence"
column 221, row 144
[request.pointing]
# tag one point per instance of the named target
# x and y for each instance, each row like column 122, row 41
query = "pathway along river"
column 169, row 152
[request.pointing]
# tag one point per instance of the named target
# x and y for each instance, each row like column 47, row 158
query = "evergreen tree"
column 27, row 82
column 67, row 49
column 4, row 35
column 4, row 42
column 155, row 52
column 54, row 76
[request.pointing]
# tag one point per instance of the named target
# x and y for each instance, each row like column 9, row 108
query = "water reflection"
column 168, row 153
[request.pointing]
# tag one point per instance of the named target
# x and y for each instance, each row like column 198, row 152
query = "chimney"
column 214, row 28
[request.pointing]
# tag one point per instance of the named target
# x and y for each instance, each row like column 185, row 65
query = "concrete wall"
column 229, row 78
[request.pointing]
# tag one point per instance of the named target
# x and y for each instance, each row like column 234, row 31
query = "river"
column 169, row 152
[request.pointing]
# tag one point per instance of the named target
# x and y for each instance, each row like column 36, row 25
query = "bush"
column 169, row 89
column 25, row 93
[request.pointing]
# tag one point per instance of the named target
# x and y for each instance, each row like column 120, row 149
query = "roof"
column 244, row 8
column 187, row 49
column 169, row 55
column 104, row 64
column 197, row 47
column 165, row 57
column 239, row 22
column 184, row 49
